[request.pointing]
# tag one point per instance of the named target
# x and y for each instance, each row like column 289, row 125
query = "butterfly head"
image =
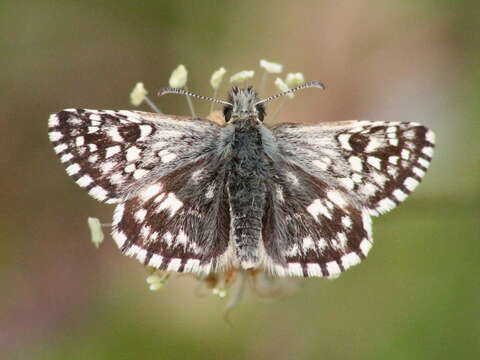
column 243, row 104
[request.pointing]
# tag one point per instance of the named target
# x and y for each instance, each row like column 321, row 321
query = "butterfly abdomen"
column 247, row 193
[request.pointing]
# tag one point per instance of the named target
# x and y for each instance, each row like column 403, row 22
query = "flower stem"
column 212, row 104
column 190, row 105
column 152, row 105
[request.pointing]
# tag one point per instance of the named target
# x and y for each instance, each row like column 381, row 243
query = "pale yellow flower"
column 179, row 76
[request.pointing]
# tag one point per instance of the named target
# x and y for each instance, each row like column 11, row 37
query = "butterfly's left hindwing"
column 180, row 222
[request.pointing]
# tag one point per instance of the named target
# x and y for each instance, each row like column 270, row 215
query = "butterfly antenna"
column 308, row 84
column 188, row 93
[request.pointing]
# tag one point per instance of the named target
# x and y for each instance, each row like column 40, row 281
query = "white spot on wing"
column 346, row 221
column 119, row 237
column 349, row 260
column 393, row 159
column 336, row 198
column 423, row 162
column 375, row 162
column 417, row 171
column 174, row 264
column 107, row 167
column 365, row 246
column 316, row 208
column 430, row 136
column 308, row 244
column 145, row 131
column 367, row 223
column 114, row 134
column 155, row 261
column 59, row 148
column 66, row 157
column 333, row 269
column 79, row 140
column 150, row 191
column 142, row 255
column 428, row 151
column 182, row 238
column 314, row 269
column 347, row 183
column 55, row 135
column 385, row 205
column 355, row 163
column 145, row 231
column 84, row 181
column 343, row 139
column 139, row 173
column 171, row 203
column 393, row 142
column 321, row 165
column 373, row 144
column 295, row 269
column 399, row 195
column 98, row 193
column 73, row 169
column 405, row 154
column 192, row 265
column 410, row 183
column 140, row 215
column 53, row 121
column 133, row 153
column 118, row 214
column 112, row 150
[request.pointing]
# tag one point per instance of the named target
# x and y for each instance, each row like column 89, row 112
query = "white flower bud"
column 282, row 86
column 96, row 232
column 178, row 79
column 155, row 286
column 220, row 292
column 137, row 96
column 294, row 79
column 217, row 77
column 151, row 279
column 242, row 76
column 271, row 67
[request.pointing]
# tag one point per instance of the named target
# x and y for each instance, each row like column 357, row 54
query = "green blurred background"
column 417, row 295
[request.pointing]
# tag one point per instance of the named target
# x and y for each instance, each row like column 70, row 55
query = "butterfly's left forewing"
column 110, row 153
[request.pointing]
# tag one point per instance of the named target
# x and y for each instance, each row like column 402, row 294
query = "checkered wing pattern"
column 380, row 163
column 164, row 174
column 111, row 153
column 180, row 222
column 339, row 174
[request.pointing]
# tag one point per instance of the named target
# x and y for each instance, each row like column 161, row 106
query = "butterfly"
column 198, row 197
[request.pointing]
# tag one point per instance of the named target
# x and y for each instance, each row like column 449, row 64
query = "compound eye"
column 261, row 112
column 227, row 112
